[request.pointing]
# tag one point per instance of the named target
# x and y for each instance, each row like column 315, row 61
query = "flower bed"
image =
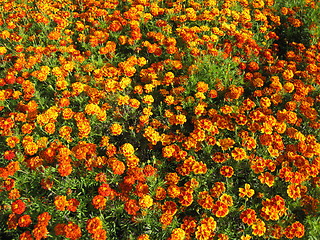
column 153, row 119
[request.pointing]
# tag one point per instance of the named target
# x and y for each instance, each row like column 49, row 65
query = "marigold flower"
column 225, row 143
column 205, row 200
column 177, row 234
column 160, row 193
column 293, row 191
column 99, row 202
column 143, row 237
column 118, row 167
column 14, row 194
column 127, row 149
column 226, row 171
column 173, row 191
column 72, row 231
column 24, row 221
column 26, row 236
column 287, row 74
column 248, row 216
column 18, row 207
column 259, row 228
column 116, row 129
column 93, row 225
column 131, row 206
column 72, row 205
column 61, row 203
column 166, row 219
column 220, row 209
column 185, row 198
column 238, row 154
column 31, row 148
column 246, row 191
column 145, row 201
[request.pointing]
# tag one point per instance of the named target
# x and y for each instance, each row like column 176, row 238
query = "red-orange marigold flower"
column 220, row 209
column 24, row 221
column 248, row 216
column 131, row 206
column 18, row 207
column 99, row 202
column 226, row 171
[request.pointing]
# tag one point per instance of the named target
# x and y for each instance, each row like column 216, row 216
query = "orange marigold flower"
column 185, row 198
column 61, row 202
column 172, row 178
column 93, row 225
column 26, row 236
column 31, row 148
column 143, row 237
column 288, row 74
column 226, row 143
column 24, row 221
column 131, row 206
column 169, row 207
column 73, row 231
column 44, row 218
column 104, row 190
column 50, row 128
column 206, row 229
column 298, row 229
column 202, row 87
column 223, row 236
column 72, row 205
column 293, row 191
column 118, row 167
column 18, row 207
column 205, row 200
column 266, row 178
column 180, row 119
column 160, row 193
column 14, row 194
column 99, row 202
column 246, row 237
column 166, row 219
column 173, row 191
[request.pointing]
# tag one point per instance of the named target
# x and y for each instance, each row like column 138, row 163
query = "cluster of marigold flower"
column 107, row 93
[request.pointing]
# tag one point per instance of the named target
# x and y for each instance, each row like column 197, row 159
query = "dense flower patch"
column 153, row 119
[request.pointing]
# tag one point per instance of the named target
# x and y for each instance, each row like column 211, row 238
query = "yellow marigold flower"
column 127, row 149
column 30, row 148
column 246, row 191
column 180, row 119
column 178, row 234
column 3, row 50
column 287, row 74
column 148, row 99
column 116, row 129
column 145, row 201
